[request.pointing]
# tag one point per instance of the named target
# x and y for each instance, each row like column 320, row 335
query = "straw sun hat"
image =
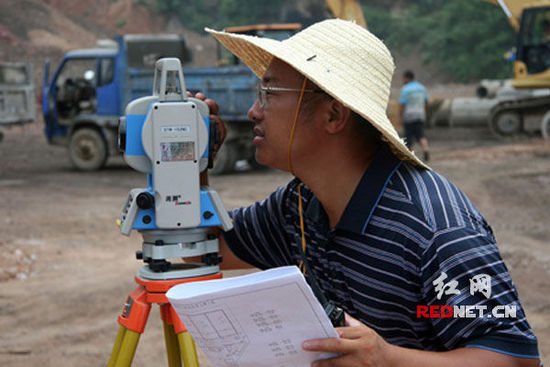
column 340, row 57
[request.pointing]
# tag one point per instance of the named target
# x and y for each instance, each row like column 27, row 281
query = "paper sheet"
column 259, row 319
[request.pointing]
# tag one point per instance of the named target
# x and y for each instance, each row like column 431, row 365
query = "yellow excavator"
column 524, row 113
column 531, row 21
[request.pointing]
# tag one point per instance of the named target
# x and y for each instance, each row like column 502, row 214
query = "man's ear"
column 338, row 116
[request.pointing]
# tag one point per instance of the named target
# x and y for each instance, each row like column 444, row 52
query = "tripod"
column 179, row 344
column 156, row 278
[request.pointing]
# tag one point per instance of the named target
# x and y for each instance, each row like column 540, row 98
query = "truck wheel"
column 87, row 149
column 225, row 159
column 506, row 124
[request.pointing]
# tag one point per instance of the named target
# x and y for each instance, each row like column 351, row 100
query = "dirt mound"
column 112, row 17
column 63, row 25
column 36, row 30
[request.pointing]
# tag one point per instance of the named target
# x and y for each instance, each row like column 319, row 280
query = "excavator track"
column 518, row 117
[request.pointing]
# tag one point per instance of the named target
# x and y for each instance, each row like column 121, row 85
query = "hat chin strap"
column 291, row 138
column 291, row 170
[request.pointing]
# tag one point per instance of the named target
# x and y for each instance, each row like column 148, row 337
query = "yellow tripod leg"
column 188, row 351
column 127, row 348
column 116, row 347
column 172, row 346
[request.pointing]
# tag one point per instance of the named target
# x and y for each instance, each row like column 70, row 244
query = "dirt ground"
column 65, row 270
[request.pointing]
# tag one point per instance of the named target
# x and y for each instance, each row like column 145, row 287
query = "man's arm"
column 230, row 260
column 360, row 346
column 401, row 112
column 402, row 104
column 471, row 357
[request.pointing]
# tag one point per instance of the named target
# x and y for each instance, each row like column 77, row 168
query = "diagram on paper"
column 257, row 320
column 218, row 332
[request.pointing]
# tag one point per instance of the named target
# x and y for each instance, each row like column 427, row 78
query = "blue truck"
column 89, row 91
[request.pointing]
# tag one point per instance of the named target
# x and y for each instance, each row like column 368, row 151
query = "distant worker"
column 412, row 110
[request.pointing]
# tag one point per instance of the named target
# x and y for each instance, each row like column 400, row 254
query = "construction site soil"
column 65, row 269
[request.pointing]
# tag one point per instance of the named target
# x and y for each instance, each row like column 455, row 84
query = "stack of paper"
column 259, row 319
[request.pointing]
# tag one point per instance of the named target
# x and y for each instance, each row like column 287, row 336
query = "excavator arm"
column 514, row 9
column 347, row 9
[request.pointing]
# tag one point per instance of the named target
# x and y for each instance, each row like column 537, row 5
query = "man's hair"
column 408, row 74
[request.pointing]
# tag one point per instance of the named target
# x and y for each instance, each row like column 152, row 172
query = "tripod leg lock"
column 136, row 311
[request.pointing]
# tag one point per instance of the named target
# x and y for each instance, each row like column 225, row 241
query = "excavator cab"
column 533, row 48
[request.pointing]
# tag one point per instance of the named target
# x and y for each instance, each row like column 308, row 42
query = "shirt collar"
column 364, row 200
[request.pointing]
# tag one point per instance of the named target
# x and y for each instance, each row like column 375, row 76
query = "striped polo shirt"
column 407, row 238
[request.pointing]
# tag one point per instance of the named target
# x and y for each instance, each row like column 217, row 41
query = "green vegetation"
column 218, row 14
column 465, row 38
column 121, row 22
column 144, row 3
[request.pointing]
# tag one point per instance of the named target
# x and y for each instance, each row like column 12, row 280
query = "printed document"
column 259, row 319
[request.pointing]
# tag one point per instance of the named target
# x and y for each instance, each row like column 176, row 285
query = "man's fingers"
column 213, row 106
column 350, row 321
column 352, row 332
column 200, row 96
column 330, row 345
column 221, row 127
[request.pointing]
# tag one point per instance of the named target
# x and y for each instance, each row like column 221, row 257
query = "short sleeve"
column 258, row 236
column 462, row 270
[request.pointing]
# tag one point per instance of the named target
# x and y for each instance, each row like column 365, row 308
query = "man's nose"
column 255, row 112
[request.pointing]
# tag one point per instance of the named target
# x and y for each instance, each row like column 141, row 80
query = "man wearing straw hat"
column 383, row 236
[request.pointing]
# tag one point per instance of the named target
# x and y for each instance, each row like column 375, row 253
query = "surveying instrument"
column 169, row 137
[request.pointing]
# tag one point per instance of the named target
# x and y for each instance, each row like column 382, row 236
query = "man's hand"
column 214, row 109
column 220, row 125
column 359, row 346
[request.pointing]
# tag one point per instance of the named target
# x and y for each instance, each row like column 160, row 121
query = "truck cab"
column 90, row 89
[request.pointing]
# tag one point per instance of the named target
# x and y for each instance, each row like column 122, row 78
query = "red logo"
column 434, row 311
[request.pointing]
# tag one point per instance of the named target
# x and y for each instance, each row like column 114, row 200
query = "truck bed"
column 17, row 95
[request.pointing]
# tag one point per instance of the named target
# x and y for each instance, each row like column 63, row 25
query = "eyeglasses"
column 262, row 91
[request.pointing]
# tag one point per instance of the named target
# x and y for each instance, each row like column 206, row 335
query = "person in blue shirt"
column 413, row 104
